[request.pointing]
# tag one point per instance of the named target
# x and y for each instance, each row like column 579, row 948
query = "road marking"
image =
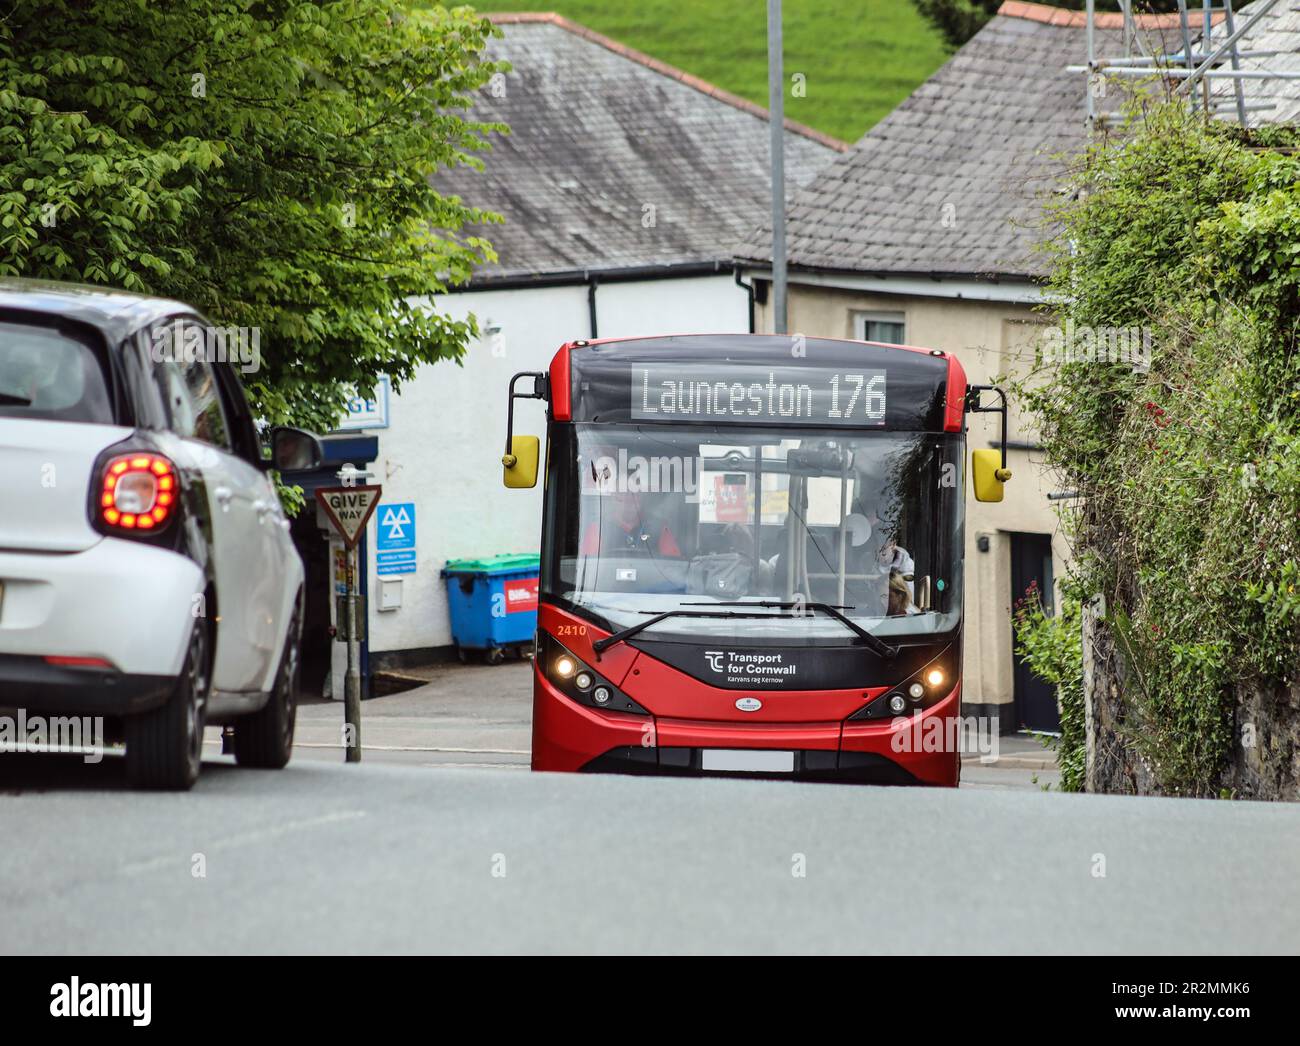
column 153, row 864
column 418, row 748
column 402, row 748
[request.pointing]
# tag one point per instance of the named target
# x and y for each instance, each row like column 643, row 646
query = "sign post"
column 349, row 509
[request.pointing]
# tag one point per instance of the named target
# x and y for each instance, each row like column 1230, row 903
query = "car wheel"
column 494, row 655
column 265, row 739
column 164, row 747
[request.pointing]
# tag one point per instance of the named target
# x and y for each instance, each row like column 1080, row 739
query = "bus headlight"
column 922, row 688
column 572, row 678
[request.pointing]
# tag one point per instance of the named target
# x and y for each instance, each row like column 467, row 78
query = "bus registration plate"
column 747, row 760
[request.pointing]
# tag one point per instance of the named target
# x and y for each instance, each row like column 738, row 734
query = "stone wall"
column 1265, row 759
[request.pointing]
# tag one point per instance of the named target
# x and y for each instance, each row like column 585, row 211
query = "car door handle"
column 223, row 496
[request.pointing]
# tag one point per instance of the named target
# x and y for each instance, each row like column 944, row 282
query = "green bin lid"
column 499, row 564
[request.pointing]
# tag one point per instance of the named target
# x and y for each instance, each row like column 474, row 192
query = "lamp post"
column 776, row 121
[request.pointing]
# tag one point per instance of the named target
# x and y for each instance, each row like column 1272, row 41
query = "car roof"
column 116, row 313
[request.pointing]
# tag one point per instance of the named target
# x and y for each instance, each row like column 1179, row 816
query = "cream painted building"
column 925, row 233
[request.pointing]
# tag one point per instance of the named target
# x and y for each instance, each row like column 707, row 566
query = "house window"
column 888, row 327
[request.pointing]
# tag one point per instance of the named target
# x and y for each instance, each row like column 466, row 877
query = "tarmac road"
column 327, row 857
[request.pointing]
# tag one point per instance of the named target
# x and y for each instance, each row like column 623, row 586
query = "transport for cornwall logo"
column 715, row 659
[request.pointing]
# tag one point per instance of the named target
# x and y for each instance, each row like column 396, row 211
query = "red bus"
column 751, row 557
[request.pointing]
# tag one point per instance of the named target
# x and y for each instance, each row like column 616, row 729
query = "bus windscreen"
column 650, row 518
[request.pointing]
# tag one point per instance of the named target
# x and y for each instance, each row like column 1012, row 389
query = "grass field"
column 859, row 58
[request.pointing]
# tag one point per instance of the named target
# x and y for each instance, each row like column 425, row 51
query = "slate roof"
column 952, row 182
column 602, row 133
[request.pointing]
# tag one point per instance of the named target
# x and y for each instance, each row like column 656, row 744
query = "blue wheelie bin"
column 493, row 605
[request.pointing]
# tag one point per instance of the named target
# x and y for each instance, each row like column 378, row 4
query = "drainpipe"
column 748, row 288
column 591, row 304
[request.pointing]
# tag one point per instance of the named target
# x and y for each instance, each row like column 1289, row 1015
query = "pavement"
column 472, row 715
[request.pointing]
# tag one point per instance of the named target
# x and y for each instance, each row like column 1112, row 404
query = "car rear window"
column 47, row 373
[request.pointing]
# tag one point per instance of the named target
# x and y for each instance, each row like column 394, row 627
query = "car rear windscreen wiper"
column 878, row 645
column 601, row 645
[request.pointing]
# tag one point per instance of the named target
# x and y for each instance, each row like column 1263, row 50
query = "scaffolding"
column 1198, row 62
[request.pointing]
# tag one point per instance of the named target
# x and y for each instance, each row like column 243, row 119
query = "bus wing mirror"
column 989, row 474
column 989, row 466
column 520, row 465
column 522, row 452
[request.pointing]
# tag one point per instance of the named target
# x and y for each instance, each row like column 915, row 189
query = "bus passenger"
column 900, row 597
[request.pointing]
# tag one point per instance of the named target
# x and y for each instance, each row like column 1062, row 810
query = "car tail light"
column 138, row 492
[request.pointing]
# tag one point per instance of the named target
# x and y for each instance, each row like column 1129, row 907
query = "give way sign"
column 349, row 509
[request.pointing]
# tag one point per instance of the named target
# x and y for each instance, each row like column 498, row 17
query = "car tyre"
column 164, row 746
column 264, row 740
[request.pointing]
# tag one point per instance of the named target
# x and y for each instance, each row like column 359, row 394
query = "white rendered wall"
column 446, row 432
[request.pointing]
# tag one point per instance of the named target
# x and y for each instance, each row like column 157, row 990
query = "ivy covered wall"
column 1180, row 244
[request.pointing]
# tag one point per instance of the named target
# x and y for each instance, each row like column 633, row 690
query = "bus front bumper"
column 569, row 737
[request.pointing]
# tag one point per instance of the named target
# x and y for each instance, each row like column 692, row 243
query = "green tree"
column 268, row 162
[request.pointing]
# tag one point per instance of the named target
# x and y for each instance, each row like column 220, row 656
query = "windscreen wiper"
column 878, row 645
column 601, row 645
column 9, row 400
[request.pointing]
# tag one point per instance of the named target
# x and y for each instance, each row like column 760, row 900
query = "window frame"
column 862, row 317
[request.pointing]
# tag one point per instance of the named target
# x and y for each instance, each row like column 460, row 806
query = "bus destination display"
column 758, row 394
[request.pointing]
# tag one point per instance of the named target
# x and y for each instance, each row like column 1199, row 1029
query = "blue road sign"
column 395, row 539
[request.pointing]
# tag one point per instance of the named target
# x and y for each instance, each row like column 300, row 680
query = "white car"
column 146, row 568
